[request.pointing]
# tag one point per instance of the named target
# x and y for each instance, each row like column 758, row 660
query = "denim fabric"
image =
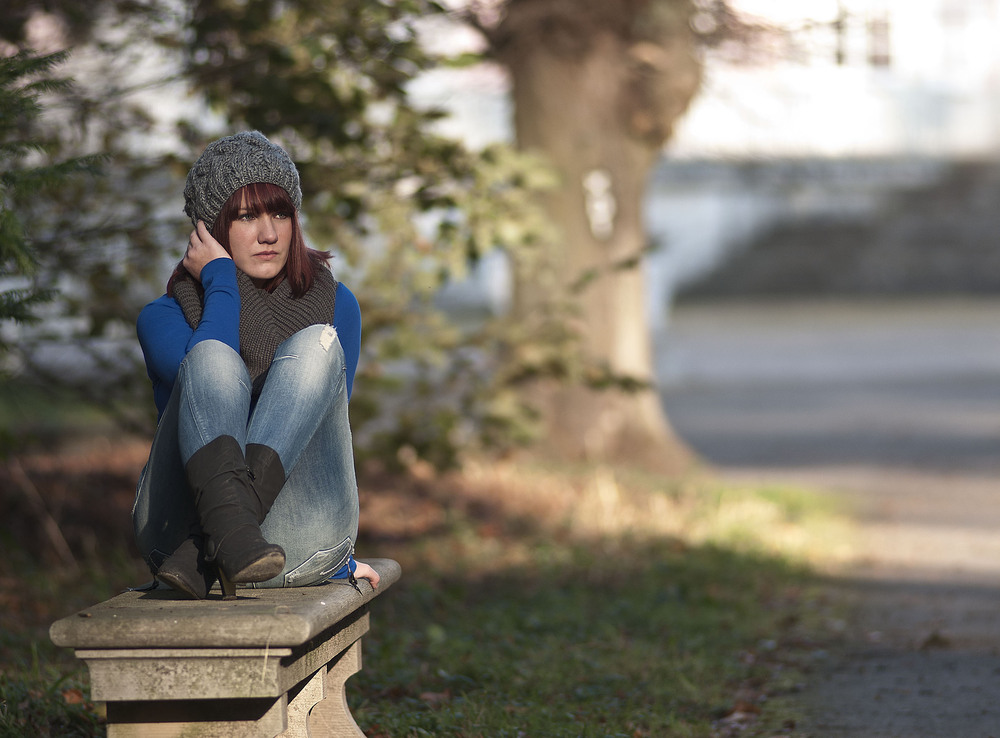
column 301, row 413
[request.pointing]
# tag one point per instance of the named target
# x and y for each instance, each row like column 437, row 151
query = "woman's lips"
column 265, row 255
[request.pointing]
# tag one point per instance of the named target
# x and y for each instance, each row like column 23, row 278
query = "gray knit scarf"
column 266, row 318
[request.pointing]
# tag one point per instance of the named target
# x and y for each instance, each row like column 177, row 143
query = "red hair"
column 266, row 198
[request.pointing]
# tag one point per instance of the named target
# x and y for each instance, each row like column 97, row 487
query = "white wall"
column 938, row 98
column 939, row 95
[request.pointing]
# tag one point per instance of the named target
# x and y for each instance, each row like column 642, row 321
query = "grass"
column 536, row 602
column 43, row 689
column 589, row 602
column 581, row 651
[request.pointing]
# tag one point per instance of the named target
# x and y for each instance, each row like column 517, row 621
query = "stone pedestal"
column 272, row 662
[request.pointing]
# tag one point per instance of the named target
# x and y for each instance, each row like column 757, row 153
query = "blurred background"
column 831, row 152
column 824, row 265
column 748, row 239
column 856, row 196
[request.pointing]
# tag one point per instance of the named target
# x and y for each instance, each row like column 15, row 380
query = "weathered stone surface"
column 272, row 663
column 265, row 618
column 214, row 673
column 332, row 716
column 211, row 719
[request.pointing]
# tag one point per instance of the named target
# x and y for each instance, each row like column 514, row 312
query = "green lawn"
column 627, row 607
column 534, row 602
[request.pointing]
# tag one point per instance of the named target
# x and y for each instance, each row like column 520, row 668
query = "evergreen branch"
column 17, row 304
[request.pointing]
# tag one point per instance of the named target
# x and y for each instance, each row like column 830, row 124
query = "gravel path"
column 895, row 407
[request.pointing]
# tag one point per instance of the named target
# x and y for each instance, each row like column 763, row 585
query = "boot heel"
column 228, row 588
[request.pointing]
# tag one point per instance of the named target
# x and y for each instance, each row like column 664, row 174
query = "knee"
column 313, row 356
column 213, row 359
column 317, row 346
column 211, row 351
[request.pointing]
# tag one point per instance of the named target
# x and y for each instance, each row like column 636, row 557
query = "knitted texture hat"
column 233, row 162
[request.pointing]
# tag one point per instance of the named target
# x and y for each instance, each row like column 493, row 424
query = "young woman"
column 252, row 353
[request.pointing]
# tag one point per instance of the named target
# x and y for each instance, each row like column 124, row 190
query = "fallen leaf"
column 739, row 717
column 435, row 699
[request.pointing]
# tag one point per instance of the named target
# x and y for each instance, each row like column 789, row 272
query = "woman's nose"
column 268, row 233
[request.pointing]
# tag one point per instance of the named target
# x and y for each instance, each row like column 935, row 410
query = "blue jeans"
column 301, row 413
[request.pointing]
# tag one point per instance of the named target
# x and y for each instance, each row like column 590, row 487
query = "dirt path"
column 895, row 408
column 922, row 656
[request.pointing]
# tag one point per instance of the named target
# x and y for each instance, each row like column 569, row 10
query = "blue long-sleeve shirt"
column 165, row 335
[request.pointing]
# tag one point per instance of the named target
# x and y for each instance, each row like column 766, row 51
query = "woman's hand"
column 201, row 249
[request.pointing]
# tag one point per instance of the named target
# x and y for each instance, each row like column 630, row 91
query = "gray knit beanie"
column 233, row 162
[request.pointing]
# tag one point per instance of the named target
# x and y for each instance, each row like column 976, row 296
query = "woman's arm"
column 347, row 321
column 164, row 333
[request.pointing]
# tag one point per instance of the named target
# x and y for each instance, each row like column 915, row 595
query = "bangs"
column 262, row 197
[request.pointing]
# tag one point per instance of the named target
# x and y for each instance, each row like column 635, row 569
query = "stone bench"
column 272, row 662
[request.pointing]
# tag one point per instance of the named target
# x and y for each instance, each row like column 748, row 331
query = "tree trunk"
column 598, row 104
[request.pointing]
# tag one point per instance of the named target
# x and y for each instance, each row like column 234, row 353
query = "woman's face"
column 260, row 243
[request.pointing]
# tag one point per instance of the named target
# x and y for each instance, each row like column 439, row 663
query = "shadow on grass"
column 646, row 639
column 505, row 623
